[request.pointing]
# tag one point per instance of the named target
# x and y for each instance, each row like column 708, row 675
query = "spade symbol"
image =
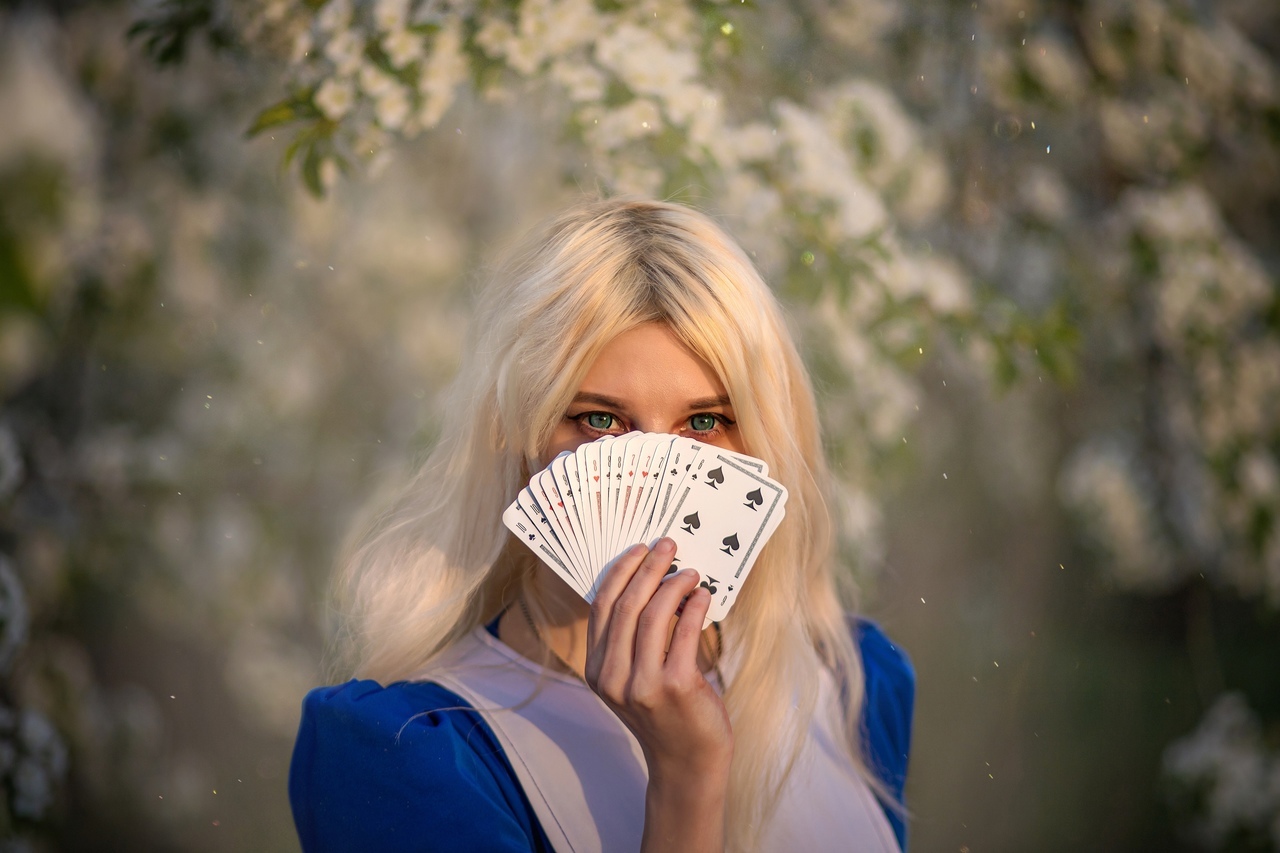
column 710, row 585
column 730, row 587
column 691, row 523
column 714, row 477
column 754, row 499
column 730, row 544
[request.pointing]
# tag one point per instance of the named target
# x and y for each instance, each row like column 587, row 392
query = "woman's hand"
column 659, row 692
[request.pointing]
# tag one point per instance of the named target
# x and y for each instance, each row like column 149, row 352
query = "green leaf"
column 293, row 108
column 311, row 163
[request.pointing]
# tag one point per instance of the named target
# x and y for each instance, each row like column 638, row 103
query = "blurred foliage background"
column 1030, row 247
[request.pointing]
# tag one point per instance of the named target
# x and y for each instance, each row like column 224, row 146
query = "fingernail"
column 665, row 546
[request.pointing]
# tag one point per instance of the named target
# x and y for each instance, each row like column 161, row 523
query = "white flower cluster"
column 1103, row 483
column 1219, row 379
column 1226, row 767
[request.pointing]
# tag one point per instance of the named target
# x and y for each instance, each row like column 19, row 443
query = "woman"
column 515, row 716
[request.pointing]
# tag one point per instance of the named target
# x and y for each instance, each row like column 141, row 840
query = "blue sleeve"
column 409, row 767
column 886, row 713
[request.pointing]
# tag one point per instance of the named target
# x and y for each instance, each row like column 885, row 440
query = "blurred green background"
column 1030, row 248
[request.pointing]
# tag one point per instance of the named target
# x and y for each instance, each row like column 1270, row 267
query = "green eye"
column 702, row 423
column 599, row 420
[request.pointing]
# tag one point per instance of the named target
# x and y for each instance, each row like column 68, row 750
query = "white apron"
column 585, row 776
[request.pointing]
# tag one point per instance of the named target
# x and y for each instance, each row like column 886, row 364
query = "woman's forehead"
column 649, row 361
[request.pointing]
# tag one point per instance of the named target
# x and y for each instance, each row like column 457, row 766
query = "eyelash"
column 722, row 423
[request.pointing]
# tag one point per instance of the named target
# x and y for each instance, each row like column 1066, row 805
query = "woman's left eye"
column 599, row 420
column 703, row 423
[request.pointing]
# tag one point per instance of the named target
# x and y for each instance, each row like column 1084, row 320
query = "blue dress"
column 412, row 767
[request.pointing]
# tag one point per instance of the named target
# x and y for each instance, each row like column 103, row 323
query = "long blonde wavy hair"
column 438, row 561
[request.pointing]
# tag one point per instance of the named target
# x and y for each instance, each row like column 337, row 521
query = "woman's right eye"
column 598, row 420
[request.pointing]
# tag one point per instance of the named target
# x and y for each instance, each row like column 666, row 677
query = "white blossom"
column 403, row 47
column 392, row 107
column 334, row 16
column 346, row 51
column 584, row 82
column 335, row 97
column 375, row 82
column 1226, row 762
column 821, row 169
column 390, row 15
column 644, row 63
column 1100, row 482
column 445, row 70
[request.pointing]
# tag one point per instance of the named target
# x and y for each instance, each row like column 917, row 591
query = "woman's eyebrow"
column 710, row 403
column 599, row 400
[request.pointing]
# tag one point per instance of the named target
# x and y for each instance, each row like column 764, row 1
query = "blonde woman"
column 498, row 711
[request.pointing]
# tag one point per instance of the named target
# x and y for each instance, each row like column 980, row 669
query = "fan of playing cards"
column 591, row 505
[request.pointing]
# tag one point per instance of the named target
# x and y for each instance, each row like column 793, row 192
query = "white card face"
column 721, row 517
column 633, row 465
column 543, row 487
column 596, row 482
column 576, row 467
column 617, row 461
column 758, row 465
column 527, row 520
column 682, row 463
column 653, row 457
column 559, row 469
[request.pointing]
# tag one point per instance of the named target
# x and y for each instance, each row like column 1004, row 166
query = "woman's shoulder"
column 373, row 767
column 887, row 709
column 367, row 708
column 884, row 662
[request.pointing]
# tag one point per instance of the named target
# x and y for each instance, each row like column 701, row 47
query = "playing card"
column 653, row 457
column 721, row 516
column 526, row 519
column 576, row 469
column 543, row 487
column 616, row 450
column 639, row 461
column 559, row 469
column 682, row 464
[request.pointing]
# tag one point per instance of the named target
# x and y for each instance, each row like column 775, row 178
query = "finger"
column 683, row 651
column 616, row 578
column 654, row 627
column 620, row 645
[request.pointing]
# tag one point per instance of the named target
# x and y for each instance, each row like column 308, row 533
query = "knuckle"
column 652, row 619
column 628, row 605
column 643, row 695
